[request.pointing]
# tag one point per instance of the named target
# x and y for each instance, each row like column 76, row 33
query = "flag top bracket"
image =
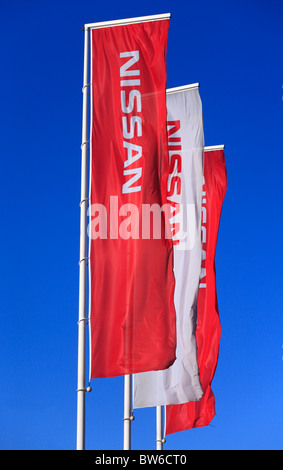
column 214, row 147
column 140, row 19
column 182, row 88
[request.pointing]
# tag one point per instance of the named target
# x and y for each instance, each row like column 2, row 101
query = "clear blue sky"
column 234, row 49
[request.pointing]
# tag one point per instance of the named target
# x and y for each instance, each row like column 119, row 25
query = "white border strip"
column 214, row 147
column 141, row 19
column 182, row 88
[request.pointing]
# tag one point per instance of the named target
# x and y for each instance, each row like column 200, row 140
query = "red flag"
column 131, row 273
column 196, row 414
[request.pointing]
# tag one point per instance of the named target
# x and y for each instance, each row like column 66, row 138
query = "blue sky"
column 234, row 50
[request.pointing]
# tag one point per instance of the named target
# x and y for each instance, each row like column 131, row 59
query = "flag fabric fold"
column 132, row 313
column 197, row 414
column 180, row 382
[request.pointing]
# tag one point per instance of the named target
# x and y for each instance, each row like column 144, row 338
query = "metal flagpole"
column 128, row 418
column 83, row 262
column 159, row 428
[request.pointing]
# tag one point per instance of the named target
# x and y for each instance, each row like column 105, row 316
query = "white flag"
column 180, row 383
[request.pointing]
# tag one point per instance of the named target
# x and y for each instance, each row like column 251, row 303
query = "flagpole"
column 83, row 262
column 159, row 427
column 128, row 418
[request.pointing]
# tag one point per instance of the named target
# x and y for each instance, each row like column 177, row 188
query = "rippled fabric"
column 197, row 414
column 180, row 382
column 132, row 313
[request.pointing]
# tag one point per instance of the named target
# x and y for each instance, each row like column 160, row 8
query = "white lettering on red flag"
column 132, row 313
